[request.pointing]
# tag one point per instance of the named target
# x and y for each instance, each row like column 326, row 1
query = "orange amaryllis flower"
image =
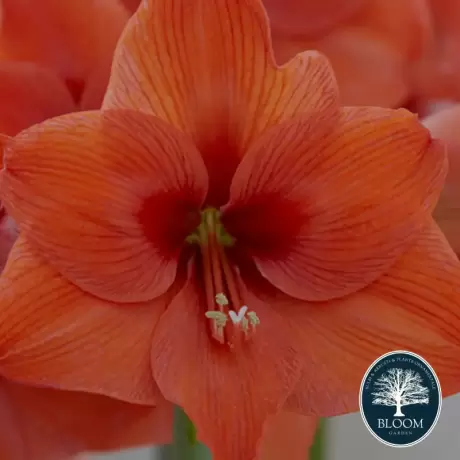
column 47, row 424
column 444, row 125
column 55, row 35
column 228, row 232
column 371, row 44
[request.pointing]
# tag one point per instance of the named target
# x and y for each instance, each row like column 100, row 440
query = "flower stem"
column 317, row 451
column 185, row 444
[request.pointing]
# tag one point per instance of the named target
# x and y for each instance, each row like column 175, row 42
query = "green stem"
column 185, row 444
column 317, row 451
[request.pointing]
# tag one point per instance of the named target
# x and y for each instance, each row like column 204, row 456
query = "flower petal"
column 288, row 435
column 45, row 424
column 56, row 33
column 127, row 184
column 347, row 202
column 213, row 75
column 228, row 394
column 444, row 125
column 29, row 95
column 414, row 307
column 53, row 334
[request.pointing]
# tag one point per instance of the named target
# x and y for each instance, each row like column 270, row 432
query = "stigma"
column 231, row 321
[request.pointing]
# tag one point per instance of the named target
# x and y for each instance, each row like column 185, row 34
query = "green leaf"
column 185, row 444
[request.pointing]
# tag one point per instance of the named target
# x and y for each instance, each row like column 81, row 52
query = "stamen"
column 221, row 283
column 221, row 299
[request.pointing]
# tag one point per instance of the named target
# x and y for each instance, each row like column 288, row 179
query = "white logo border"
column 361, row 389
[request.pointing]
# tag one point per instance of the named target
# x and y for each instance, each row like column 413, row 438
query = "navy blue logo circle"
column 400, row 399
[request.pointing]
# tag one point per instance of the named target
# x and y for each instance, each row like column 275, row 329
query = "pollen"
column 221, row 299
column 242, row 320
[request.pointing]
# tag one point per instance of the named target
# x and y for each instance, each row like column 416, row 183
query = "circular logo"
column 400, row 399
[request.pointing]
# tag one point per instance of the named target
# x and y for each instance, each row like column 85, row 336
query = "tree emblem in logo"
column 400, row 398
column 399, row 388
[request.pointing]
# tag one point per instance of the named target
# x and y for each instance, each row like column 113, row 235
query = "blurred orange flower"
column 445, row 125
column 131, row 5
column 47, row 424
column 436, row 76
column 371, row 43
column 51, row 61
column 225, row 230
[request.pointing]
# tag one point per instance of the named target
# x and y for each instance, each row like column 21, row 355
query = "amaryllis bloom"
column 371, row 43
column 223, row 234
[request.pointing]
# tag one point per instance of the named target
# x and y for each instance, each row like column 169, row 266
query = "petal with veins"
column 228, row 394
column 53, row 334
column 413, row 307
column 213, row 76
column 324, row 210
column 107, row 197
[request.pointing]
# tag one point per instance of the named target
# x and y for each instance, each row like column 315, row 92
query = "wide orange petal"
column 229, row 394
column 323, row 214
column 53, row 334
column 445, row 126
column 46, row 424
column 57, row 34
column 414, row 307
column 127, row 185
column 213, row 75
column 287, row 435
column 29, row 95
